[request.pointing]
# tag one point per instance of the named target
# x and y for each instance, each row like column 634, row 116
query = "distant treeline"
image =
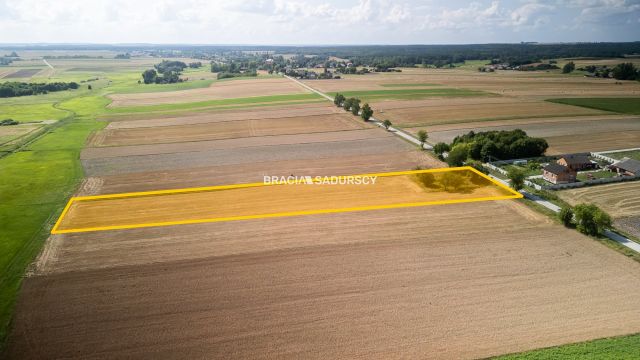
column 13, row 89
column 234, row 69
column 390, row 55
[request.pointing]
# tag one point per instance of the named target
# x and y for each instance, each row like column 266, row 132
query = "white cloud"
column 529, row 14
column 315, row 21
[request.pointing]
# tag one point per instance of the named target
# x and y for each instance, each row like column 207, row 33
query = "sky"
column 317, row 22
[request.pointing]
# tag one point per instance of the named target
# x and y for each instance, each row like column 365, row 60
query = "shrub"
column 517, row 178
column 440, row 148
column 458, row 155
column 590, row 219
column 367, row 113
column 566, row 216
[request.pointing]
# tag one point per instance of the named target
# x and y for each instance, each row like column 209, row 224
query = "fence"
column 591, row 182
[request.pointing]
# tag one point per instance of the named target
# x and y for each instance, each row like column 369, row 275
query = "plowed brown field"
column 217, row 90
column 509, row 83
column 426, row 113
column 226, row 130
column 275, row 112
column 384, row 284
column 564, row 134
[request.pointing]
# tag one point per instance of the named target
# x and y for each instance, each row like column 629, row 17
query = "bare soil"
column 227, row 130
column 381, row 284
column 217, row 91
column 275, row 112
column 255, row 172
column 529, row 85
column 564, row 135
column 407, row 113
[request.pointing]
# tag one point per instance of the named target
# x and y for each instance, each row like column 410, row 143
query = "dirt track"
column 298, row 288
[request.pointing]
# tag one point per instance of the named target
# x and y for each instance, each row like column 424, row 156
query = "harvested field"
column 275, row 112
column 509, row 83
column 22, row 73
column 564, row 135
column 145, row 158
column 383, row 284
column 217, row 91
column 254, row 172
column 618, row 200
column 426, row 113
column 133, row 210
column 14, row 132
column 630, row 225
column 594, row 142
column 621, row 201
column 226, row 130
column 409, row 93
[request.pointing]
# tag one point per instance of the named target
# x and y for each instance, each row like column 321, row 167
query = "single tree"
column 346, row 104
column 338, row 100
column 590, row 219
column 89, row 87
column 149, row 76
column 566, row 216
column 387, row 124
column 367, row 112
column 568, row 67
column 422, row 137
column 451, row 181
column 355, row 106
column 458, row 155
column 625, row 71
column 441, row 148
column 516, row 176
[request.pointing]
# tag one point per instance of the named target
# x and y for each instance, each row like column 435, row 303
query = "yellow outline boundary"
column 515, row 195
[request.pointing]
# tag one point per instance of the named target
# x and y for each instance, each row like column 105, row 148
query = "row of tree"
column 353, row 105
column 15, row 89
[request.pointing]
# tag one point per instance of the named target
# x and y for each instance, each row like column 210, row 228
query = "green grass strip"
column 619, row 105
column 39, row 179
column 620, row 348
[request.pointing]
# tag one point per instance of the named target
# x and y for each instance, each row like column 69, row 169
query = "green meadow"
column 619, row 348
column 619, row 105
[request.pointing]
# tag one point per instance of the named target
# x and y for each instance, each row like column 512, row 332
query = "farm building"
column 626, row 166
column 558, row 174
column 576, row 162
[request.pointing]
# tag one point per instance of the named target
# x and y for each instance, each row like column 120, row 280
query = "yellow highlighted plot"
column 264, row 200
